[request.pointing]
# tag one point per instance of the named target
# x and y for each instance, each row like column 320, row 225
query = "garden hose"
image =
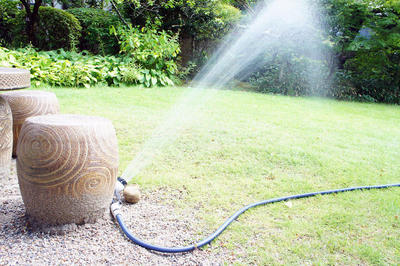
column 117, row 204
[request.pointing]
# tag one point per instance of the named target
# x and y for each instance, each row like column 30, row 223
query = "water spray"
column 242, row 50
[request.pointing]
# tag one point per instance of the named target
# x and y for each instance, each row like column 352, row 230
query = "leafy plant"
column 367, row 43
column 8, row 12
column 154, row 51
column 70, row 69
column 56, row 29
column 203, row 19
column 200, row 24
column 96, row 24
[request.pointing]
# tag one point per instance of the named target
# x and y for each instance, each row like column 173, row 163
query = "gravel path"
column 100, row 243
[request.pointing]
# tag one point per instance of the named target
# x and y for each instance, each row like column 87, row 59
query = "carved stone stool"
column 67, row 167
column 10, row 79
column 5, row 138
column 25, row 104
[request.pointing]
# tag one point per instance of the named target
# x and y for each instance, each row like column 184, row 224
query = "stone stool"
column 67, row 168
column 5, row 138
column 25, row 104
column 10, row 79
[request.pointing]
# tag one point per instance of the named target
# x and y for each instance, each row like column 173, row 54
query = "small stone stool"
column 67, row 168
column 26, row 104
column 5, row 138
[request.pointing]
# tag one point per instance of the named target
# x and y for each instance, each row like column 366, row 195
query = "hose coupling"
column 119, row 187
column 116, row 208
column 122, row 181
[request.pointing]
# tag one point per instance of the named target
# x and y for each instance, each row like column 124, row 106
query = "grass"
column 246, row 147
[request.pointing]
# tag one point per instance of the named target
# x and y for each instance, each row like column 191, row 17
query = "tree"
column 32, row 19
column 366, row 39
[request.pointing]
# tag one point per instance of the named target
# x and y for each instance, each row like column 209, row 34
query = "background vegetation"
column 165, row 41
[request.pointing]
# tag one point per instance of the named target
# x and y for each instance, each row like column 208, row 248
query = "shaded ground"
column 99, row 243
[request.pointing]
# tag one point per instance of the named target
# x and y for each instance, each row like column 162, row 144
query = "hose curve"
column 118, row 216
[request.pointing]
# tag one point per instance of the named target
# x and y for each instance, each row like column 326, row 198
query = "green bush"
column 72, row 69
column 60, row 68
column 56, row 29
column 154, row 51
column 367, row 45
column 203, row 19
column 96, row 24
column 224, row 16
column 8, row 12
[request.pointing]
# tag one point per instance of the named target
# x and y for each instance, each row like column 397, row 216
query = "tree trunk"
column 32, row 18
column 187, row 47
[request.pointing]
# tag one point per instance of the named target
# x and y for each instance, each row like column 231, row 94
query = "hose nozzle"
column 116, row 208
column 119, row 187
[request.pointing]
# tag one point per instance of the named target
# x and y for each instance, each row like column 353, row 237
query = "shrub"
column 204, row 19
column 96, row 24
column 56, row 29
column 200, row 24
column 56, row 68
column 367, row 43
column 154, row 51
column 8, row 12
column 292, row 75
column 223, row 18
column 72, row 69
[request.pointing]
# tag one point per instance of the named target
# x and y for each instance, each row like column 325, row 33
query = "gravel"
column 152, row 219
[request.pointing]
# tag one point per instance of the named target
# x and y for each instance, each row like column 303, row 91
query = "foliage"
column 199, row 24
column 71, row 69
column 290, row 74
column 289, row 68
column 366, row 35
column 56, row 29
column 96, row 24
column 375, row 68
column 225, row 16
column 204, row 19
column 154, row 51
column 8, row 12
column 83, row 3
column 31, row 19
column 364, row 43
column 247, row 5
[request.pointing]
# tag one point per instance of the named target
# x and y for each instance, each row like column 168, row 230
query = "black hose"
column 233, row 217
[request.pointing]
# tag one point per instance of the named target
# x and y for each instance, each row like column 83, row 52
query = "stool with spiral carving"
column 29, row 103
column 67, row 168
column 10, row 79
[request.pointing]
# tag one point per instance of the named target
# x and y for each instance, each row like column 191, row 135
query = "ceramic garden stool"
column 10, row 79
column 26, row 104
column 67, row 168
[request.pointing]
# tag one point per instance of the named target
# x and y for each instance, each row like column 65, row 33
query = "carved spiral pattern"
column 26, row 104
column 62, row 154
column 5, row 137
column 66, row 156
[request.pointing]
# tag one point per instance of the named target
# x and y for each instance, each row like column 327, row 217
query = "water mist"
column 280, row 25
column 281, row 28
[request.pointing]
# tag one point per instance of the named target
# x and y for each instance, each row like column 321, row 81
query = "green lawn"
column 245, row 147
